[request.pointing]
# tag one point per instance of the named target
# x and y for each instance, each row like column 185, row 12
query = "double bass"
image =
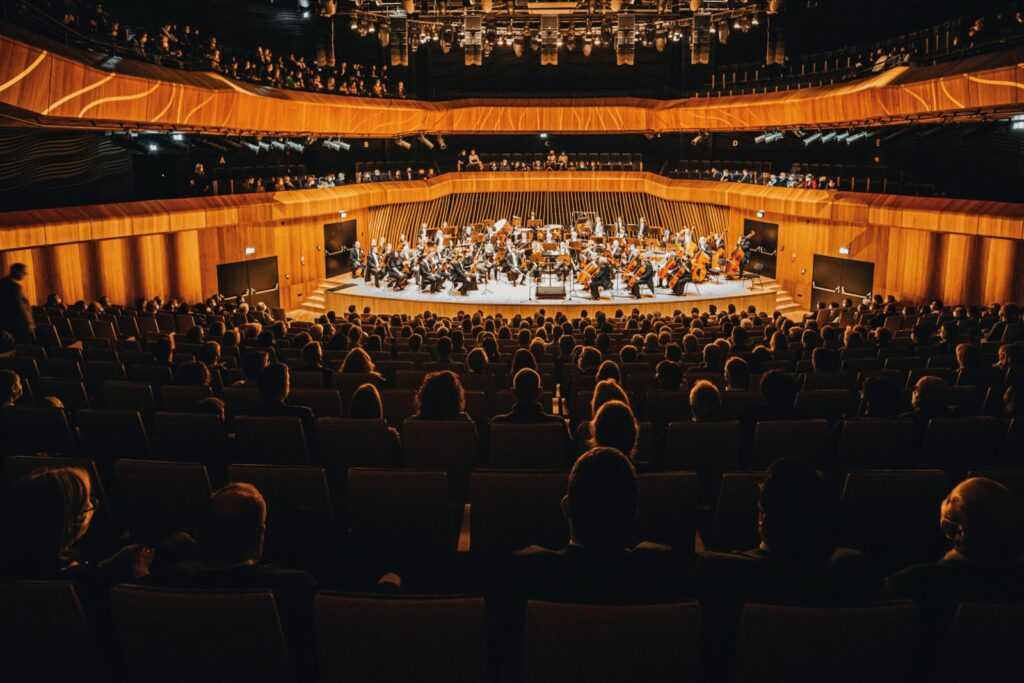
column 587, row 273
column 699, row 269
column 735, row 263
column 636, row 273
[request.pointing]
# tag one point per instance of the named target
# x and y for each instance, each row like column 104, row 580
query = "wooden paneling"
column 922, row 248
column 56, row 86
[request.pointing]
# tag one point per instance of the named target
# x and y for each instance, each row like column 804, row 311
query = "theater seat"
column 612, row 643
column 528, row 446
column 807, row 439
column 106, row 435
column 828, row 404
column 711, row 446
column 401, row 512
column 37, row 615
column 216, row 635
column 893, row 515
column 270, row 440
column 40, row 430
column 451, row 446
column 71, row 392
column 176, row 398
column 130, row 396
column 668, row 509
column 782, row 644
column 156, row 498
column 511, row 510
column 323, row 402
column 869, row 442
column 190, row 437
column 957, row 443
column 397, row 640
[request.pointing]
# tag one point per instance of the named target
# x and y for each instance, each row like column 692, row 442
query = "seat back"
column 172, row 635
column 129, row 396
column 807, row 439
column 713, row 446
column 105, row 435
column 892, row 515
column 158, row 497
column 359, row 638
column 243, row 400
column 36, row 615
column 439, row 444
column 533, row 445
column 612, row 643
column 71, row 392
column 512, row 510
column 190, row 437
column 276, row 440
column 403, row 510
column 176, row 398
column 668, row 509
column 37, row 430
column 955, row 443
column 871, row 442
column 781, row 643
column 323, row 402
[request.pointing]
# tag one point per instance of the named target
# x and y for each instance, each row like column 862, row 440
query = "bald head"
column 980, row 517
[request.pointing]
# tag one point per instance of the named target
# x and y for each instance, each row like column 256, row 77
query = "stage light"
column 305, row 14
column 440, row 142
column 343, row 145
column 152, row 147
column 855, row 137
column 294, row 146
column 425, row 141
column 177, row 137
column 810, row 139
column 473, row 41
column 697, row 139
column 588, row 47
column 625, row 40
column 276, row 144
column 842, row 136
column 399, row 40
column 404, row 144
column 550, row 40
column 760, row 138
column 828, row 137
column 543, row 136
column 760, row 214
column 774, row 6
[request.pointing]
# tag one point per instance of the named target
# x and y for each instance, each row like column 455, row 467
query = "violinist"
column 603, row 278
column 460, row 277
column 393, row 268
column 643, row 274
column 682, row 275
column 428, row 278
column 620, row 228
column 598, row 228
column 513, row 266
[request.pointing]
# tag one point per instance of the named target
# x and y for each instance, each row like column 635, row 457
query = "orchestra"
column 588, row 255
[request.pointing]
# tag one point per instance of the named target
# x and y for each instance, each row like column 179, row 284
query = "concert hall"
column 512, row 341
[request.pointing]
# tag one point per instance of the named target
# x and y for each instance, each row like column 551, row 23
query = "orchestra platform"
column 501, row 297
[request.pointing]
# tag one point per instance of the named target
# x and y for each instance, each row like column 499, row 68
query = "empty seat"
column 401, row 511
column 712, row 446
column 34, row 616
column 511, row 510
column 869, row 442
column 828, row 404
column 172, row 635
column 612, row 643
column 176, row 398
column 533, row 445
column 277, row 440
column 734, row 526
column 440, row 638
column 955, row 443
column 106, row 435
column 323, row 402
column 156, row 497
column 892, row 515
column 780, row 644
column 807, row 439
column 190, row 437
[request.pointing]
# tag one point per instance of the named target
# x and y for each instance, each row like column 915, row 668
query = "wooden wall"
column 957, row 250
column 67, row 91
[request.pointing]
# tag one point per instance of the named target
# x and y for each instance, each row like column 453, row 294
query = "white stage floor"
column 504, row 294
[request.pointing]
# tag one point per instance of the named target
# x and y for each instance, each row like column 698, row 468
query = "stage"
column 501, row 297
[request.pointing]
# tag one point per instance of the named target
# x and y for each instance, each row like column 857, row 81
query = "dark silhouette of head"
column 601, row 500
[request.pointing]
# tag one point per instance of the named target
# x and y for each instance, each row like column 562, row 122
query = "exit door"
column 338, row 239
column 256, row 280
column 837, row 279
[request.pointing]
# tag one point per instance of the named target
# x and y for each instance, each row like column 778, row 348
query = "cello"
column 732, row 268
column 699, row 270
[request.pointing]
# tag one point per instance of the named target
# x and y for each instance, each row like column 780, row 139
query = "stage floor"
column 508, row 300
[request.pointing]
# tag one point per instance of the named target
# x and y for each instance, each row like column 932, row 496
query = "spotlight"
column 404, row 144
column 828, row 137
column 343, row 145
column 177, row 137
column 810, row 139
column 842, row 136
column 543, row 136
column 625, row 40
column 697, row 139
column 152, row 147
column 760, row 138
column 305, row 14
column 760, row 214
column 294, row 146
column 441, row 143
column 425, row 141
column 278, row 145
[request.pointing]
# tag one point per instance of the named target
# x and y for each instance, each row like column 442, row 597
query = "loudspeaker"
column 554, row 292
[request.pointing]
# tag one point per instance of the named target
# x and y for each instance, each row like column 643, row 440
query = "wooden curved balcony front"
column 43, row 84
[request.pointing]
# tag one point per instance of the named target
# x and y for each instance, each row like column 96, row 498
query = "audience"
column 441, row 397
column 705, row 402
column 614, row 426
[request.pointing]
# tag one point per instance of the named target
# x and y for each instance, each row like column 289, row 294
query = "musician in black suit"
column 460, row 278
column 513, row 267
column 646, row 278
column 356, row 254
column 393, row 268
column 374, row 267
column 603, row 278
column 428, row 278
